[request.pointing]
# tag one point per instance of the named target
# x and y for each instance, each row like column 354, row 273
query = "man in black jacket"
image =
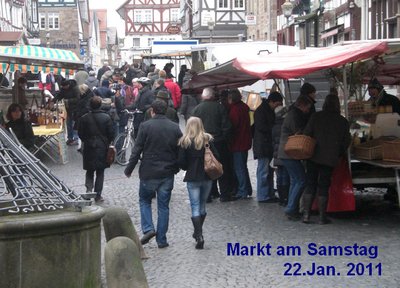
column 264, row 120
column 157, row 142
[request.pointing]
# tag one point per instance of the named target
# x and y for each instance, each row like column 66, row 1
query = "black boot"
column 307, row 201
column 322, row 205
column 283, row 192
column 203, row 217
column 198, row 232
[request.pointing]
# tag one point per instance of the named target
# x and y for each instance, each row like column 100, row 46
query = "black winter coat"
column 24, row 132
column 95, row 146
column 157, row 143
column 331, row 131
column 215, row 119
column 192, row 161
column 264, row 119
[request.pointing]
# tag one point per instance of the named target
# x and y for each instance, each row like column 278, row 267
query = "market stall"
column 48, row 124
column 244, row 70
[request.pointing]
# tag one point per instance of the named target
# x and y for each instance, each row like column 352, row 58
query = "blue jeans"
column 71, row 133
column 297, row 182
column 198, row 194
column 242, row 174
column 147, row 189
column 282, row 176
column 265, row 188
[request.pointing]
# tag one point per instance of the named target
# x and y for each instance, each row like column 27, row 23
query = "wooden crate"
column 391, row 151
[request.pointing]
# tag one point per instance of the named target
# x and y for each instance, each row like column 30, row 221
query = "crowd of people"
column 95, row 105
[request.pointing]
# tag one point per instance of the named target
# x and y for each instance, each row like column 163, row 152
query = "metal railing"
column 27, row 185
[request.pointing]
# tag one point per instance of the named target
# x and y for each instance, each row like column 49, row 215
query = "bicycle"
column 124, row 141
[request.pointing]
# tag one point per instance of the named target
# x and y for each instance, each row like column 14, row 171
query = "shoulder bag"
column 111, row 151
column 212, row 166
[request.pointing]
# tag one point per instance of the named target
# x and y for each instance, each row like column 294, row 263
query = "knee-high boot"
column 322, row 205
column 198, row 232
column 203, row 217
column 307, row 201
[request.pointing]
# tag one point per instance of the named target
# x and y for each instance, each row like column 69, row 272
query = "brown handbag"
column 212, row 166
column 111, row 154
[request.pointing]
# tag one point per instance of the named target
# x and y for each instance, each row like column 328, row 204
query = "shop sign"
column 173, row 29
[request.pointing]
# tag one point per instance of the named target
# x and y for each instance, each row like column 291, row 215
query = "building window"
column 238, row 3
column 136, row 42
column 224, row 4
column 42, row 21
column 143, row 16
column 148, row 15
column 174, row 15
column 53, row 21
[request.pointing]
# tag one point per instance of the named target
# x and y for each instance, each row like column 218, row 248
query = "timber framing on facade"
column 150, row 17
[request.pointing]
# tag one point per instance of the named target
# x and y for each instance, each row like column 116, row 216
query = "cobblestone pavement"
column 248, row 223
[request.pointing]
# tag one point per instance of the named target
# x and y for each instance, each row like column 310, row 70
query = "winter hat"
column 374, row 83
column 105, row 83
column 162, row 95
column 92, row 73
column 307, row 89
column 275, row 97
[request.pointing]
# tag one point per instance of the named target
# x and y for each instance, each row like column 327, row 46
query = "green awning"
column 34, row 58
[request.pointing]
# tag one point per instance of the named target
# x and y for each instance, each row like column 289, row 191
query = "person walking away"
column 171, row 113
column 294, row 123
column 92, row 81
column 216, row 122
column 189, row 98
column 264, row 120
column 332, row 135
column 21, row 127
column 282, row 176
column 157, row 147
column 102, row 70
column 191, row 159
column 175, row 91
column 240, row 143
column 96, row 132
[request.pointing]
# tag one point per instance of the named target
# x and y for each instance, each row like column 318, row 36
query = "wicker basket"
column 391, row 151
column 371, row 150
column 300, row 147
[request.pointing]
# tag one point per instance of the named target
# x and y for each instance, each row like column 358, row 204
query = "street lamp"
column 48, row 39
column 287, row 9
column 211, row 25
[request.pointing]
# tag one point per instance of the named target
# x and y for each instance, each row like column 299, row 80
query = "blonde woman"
column 191, row 159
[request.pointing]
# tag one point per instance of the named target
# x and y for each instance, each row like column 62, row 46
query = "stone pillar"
column 51, row 249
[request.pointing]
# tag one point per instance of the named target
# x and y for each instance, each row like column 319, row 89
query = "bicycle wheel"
column 124, row 145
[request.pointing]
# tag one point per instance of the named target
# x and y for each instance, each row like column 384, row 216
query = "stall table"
column 51, row 142
column 383, row 164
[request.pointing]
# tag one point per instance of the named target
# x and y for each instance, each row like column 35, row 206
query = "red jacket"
column 175, row 92
column 240, row 118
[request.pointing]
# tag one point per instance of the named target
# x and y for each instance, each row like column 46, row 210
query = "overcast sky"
column 113, row 18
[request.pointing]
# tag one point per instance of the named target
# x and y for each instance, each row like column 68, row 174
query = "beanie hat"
column 105, row 83
column 374, row 83
column 275, row 97
column 307, row 89
column 162, row 95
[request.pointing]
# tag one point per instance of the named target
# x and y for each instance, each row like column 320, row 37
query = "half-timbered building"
column 215, row 20
column 150, row 17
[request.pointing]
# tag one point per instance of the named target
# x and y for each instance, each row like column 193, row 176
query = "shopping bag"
column 341, row 195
